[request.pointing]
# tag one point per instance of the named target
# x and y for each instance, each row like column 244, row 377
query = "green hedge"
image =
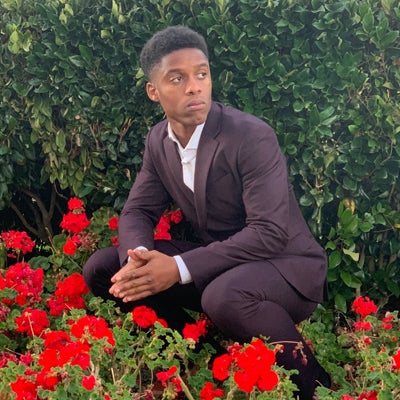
column 324, row 73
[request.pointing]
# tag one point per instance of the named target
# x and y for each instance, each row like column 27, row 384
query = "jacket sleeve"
column 146, row 202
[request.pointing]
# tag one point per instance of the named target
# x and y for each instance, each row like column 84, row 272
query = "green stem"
column 185, row 388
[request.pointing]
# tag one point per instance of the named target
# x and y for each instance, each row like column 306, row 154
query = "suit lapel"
column 205, row 155
column 173, row 161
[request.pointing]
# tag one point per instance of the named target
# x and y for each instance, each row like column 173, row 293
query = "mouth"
column 196, row 105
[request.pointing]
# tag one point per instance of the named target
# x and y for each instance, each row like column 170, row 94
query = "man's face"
column 181, row 83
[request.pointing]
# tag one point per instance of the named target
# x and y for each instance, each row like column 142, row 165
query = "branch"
column 25, row 223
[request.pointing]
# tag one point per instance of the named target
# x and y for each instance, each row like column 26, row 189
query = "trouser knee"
column 99, row 269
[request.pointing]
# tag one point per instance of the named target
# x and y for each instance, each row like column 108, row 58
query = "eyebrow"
column 176, row 70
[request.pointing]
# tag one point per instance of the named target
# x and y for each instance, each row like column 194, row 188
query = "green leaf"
column 77, row 61
column 350, row 280
column 60, row 141
column 354, row 256
column 368, row 22
column 314, row 116
column 340, row 303
column 335, row 258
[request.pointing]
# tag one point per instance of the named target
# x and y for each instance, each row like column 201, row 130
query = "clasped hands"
column 145, row 274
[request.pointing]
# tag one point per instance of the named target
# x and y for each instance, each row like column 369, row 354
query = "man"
column 257, row 269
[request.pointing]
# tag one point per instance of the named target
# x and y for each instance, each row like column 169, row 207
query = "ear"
column 152, row 92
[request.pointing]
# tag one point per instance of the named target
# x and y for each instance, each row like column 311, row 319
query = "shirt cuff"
column 183, row 271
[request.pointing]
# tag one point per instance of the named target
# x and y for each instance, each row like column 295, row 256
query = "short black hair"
column 168, row 40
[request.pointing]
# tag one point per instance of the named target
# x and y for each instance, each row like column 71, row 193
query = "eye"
column 176, row 79
column 203, row 75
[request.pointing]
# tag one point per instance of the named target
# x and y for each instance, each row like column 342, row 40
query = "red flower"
column 177, row 383
column 113, row 223
column 367, row 340
column 33, row 322
column 50, row 358
column 256, row 361
column 73, row 353
column 161, row 235
column 56, row 340
column 4, row 311
column 396, row 360
column 246, row 380
column 372, row 395
column 6, row 357
column 268, row 380
column 176, row 216
column 68, row 295
column 18, row 241
column 24, row 389
column 70, row 247
column 221, row 365
column 194, row 331
column 75, row 204
column 74, row 222
column 28, row 283
column 88, row 382
column 387, row 322
column 114, row 241
column 26, row 358
column 362, row 325
column 234, row 349
column 256, row 354
column 48, row 380
column 208, row 393
column 90, row 327
column 144, row 316
column 164, row 376
column 162, row 322
column 253, row 366
column 364, row 306
column 161, row 231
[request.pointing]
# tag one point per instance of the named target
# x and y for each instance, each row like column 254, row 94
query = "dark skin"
column 181, row 83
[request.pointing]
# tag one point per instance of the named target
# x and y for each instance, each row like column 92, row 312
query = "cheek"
column 169, row 99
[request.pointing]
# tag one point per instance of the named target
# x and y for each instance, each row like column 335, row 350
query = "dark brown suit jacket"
column 243, row 207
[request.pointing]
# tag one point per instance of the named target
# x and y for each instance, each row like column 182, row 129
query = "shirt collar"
column 194, row 140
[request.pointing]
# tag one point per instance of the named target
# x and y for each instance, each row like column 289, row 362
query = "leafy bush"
column 324, row 74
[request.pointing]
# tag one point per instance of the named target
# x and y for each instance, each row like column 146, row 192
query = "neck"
column 183, row 134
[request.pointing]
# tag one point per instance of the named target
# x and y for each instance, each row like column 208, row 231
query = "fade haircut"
column 165, row 42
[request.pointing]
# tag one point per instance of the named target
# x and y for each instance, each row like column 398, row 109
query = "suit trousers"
column 250, row 300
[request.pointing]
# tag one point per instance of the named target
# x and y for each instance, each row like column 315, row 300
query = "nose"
column 193, row 85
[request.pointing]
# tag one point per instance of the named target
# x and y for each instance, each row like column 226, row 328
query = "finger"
column 137, row 296
column 140, row 288
column 125, row 273
column 134, row 254
column 141, row 254
column 131, row 279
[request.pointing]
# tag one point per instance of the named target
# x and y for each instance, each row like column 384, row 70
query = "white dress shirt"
column 188, row 160
column 188, row 154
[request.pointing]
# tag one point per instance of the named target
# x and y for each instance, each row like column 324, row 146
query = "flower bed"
column 57, row 341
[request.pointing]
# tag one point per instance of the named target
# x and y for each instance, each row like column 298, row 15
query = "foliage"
column 61, row 342
column 324, row 74
column 362, row 356
column 57, row 341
